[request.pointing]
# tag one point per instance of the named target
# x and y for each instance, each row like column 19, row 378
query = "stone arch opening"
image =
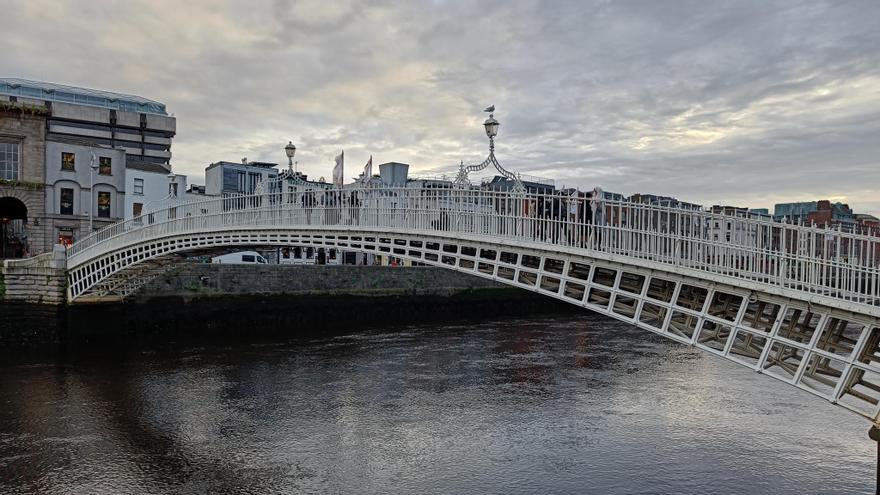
column 13, row 228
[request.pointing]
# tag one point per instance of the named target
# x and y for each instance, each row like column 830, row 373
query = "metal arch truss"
column 830, row 353
column 799, row 303
column 461, row 180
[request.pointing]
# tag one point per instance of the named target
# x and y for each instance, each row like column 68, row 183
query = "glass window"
column 242, row 182
column 105, row 166
column 103, row 205
column 137, row 209
column 66, row 202
column 248, row 258
column 253, row 179
column 68, row 161
column 139, row 186
column 9, row 161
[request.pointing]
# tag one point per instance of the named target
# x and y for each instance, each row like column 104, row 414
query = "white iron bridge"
column 798, row 303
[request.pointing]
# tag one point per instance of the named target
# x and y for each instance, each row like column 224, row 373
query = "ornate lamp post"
column 290, row 151
column 491, row 125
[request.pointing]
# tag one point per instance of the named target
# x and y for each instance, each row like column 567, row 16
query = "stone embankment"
column 191, row 280
column 210, row 301
column 40, row 280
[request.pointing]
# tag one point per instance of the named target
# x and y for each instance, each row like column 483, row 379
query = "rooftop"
column 222, row 163
column 156, row 168
column 80, row 96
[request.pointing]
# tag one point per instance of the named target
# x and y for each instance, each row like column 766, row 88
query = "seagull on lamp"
column 490, row 109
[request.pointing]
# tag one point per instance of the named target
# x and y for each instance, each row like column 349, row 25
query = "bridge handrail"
column 810, row 259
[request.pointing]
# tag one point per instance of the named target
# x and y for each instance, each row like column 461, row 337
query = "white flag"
column 338, row 176
column 368, row 170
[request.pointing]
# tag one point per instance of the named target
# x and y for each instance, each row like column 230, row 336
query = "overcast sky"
column 746, row 103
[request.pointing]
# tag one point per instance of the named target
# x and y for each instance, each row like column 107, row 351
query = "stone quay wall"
column 34, row 285
column 38, row 280
column 193, row 280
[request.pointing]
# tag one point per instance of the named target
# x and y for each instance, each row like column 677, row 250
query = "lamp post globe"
column 491, row 126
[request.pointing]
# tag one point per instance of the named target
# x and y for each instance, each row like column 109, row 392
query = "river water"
column 562, row 404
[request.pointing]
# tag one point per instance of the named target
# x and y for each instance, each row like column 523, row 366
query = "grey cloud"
column 743, row 103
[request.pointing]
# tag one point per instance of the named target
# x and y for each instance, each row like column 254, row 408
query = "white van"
column 240, row 258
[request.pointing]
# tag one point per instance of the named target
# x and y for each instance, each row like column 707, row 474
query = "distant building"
column 532, row 185
column 430, row 183
column 292, row 179
column 729, row 224
column 195, row 190
column 238, row 178
column 790, row 211
column 151, row 186
column 867, row 222
column 666, row 201
column 394, row 174
column 822, row 213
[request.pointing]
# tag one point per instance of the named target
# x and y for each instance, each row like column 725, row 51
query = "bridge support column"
column 874, row 434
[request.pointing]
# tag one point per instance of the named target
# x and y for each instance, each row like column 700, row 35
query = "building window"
column 242, row 182
column 66, row 201
column 103, row 205
column 68, row 161
column 139, row 186
column 172, row 189
column 137, row 209
column 253, row 179
column 105, row 166
column 10, row 156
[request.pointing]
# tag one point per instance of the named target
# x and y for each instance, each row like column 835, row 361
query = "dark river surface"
column 561, row 404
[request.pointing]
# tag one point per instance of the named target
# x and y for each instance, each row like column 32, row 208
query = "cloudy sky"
column 746, row 103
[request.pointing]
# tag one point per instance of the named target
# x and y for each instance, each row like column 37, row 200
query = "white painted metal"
column 797, row 303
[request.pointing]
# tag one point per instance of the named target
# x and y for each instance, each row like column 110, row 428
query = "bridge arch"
column 801, row 304
column 816, row 348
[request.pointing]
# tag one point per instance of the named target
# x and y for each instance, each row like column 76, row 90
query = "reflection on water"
column 573, row 404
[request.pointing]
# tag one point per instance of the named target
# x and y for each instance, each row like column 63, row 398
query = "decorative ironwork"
column 777, row 298
column 491, row 125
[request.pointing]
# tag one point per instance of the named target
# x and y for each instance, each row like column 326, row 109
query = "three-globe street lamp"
column 491, row 125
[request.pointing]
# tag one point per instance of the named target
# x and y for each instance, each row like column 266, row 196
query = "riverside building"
column 86, row 142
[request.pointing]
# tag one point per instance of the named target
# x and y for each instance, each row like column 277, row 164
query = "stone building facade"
column 22, row 153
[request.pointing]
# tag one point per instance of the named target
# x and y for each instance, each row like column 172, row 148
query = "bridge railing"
column 810, row 259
